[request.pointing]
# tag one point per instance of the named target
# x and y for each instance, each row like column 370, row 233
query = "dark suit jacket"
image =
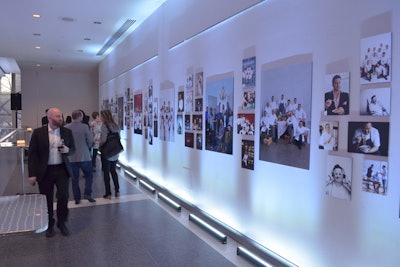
column 38, row 153
column 344, row 103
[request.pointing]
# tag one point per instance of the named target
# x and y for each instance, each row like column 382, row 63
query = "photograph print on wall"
column 367, row 137
column 328, row 135
column 375, row 102
column 337, row 89
column 338, row 183
column 376, row 59
column 249, row 72
column 285, row 136
column 375, row 176
column 219, row 97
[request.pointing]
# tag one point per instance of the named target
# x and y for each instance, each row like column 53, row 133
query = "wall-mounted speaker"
column 15, row 101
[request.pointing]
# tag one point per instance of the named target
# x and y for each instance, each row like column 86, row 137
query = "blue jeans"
column 86, row 167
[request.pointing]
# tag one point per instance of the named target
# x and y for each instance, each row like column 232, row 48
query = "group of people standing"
column 219, row 128
column 292, row 116
column 58, row 151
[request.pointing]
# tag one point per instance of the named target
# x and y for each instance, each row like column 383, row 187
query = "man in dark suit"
column 336, row 101
column 48, row 165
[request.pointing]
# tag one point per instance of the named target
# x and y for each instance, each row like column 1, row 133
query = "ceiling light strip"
column 128, row 23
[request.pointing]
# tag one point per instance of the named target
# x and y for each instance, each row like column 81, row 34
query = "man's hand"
column 32, row 180
column 64, row 149
column 339, row 111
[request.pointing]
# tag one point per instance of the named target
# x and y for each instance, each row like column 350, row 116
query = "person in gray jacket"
column 82, row 159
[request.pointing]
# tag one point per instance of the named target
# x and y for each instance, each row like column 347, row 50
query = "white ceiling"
column 62, row 29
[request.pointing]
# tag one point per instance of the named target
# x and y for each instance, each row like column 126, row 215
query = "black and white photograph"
column 367, row 137
column 181, row 101
column 155, row 117
column 189, row 80
column 338, row 177
column 188, row 105
column 375, row 102
column 167, row 117
column 376, row 59
column 199, row 85
column 375, row 176
column 138, row 113
column 128, row 111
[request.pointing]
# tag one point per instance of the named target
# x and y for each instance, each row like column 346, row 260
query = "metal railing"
column 13, row 146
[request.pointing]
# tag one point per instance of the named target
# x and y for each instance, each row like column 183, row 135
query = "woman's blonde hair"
column 107, row 117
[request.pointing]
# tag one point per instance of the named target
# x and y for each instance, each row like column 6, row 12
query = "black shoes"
column 117, row 194
column 77, row 202
column 90, row 199
column 107, row 196
column 50, row 231
column 63, row 229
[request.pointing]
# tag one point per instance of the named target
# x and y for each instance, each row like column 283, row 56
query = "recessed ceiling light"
column 36, row 15
column 67, row 19
column 37, row 47
column 37, row 65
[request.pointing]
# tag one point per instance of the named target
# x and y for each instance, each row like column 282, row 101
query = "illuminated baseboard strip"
column 251, row 257
column 169, row 201
column 118, row 166
column 131, row 175
column 147, row 186
column 217, row 234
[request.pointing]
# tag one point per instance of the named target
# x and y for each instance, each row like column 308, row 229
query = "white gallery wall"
column 42, row 89
column 283, row 208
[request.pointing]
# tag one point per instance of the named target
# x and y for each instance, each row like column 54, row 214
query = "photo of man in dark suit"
column 336, row 101
column 48, row 165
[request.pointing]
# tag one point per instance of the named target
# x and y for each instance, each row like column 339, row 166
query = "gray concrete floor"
column 132, row 230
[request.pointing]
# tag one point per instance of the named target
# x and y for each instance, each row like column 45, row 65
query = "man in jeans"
column 82, row 159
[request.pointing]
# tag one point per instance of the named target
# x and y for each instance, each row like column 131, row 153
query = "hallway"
column 133, row 230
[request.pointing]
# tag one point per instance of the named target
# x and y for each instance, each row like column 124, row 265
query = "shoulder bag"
column 112, row 146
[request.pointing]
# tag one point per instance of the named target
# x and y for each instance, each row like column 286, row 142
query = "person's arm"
column 89, row 138
column 103, row 135
column 375, row 140
column 346, row 105
column 69, row 143
column 357, row 138
column 347, row 186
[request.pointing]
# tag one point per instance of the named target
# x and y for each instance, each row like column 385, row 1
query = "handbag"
column 112, row 146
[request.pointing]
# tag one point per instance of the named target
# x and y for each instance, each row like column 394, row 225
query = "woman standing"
column 95, row 128
column 109, row 164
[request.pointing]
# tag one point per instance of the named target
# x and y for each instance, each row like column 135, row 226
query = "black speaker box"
column 15, row 101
